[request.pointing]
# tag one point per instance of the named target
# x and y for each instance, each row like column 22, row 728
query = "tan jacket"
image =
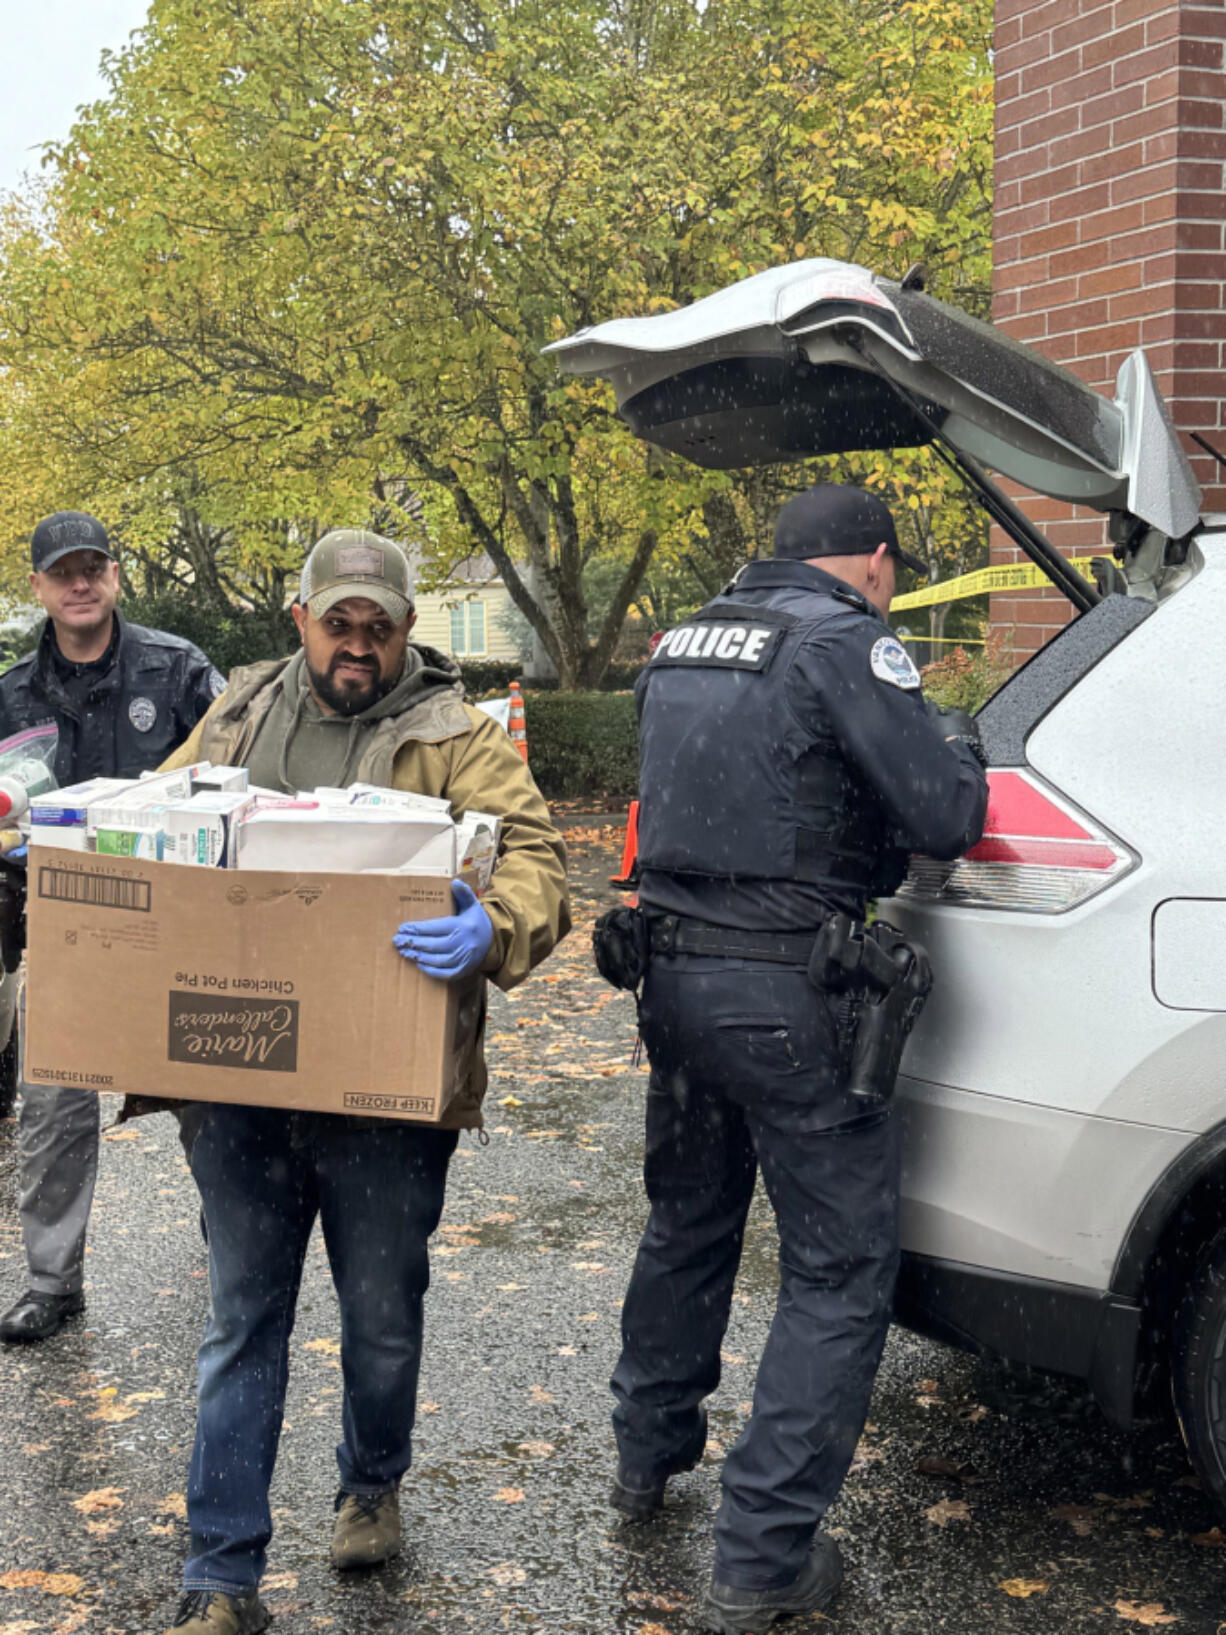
column 440, row 747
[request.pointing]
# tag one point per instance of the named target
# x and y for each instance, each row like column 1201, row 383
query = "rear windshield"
column 1012, row 713
column 1010, row 374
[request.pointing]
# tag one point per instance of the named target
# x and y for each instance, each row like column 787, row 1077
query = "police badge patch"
column 891, row 662
column 143, row 713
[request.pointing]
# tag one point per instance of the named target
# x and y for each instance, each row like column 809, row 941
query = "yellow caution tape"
column 1014, row 576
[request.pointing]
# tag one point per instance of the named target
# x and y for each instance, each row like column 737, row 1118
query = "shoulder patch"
column 891, row 663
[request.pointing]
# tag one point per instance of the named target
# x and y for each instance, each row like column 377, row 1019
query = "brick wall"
column 1109, row 219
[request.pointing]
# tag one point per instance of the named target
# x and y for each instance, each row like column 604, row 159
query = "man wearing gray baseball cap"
column 359, row 703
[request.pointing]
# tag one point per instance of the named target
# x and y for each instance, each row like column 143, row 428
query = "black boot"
column 639, row 1498
column 749, row 1612
column 37, row 1316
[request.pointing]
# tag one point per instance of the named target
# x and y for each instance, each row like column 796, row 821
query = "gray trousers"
column 58, row 1143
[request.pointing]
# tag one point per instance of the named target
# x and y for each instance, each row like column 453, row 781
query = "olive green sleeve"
column 527, row 900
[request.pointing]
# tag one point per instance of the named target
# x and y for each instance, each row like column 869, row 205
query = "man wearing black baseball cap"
column 788, row 765
column 123, row 698
column 831, row 521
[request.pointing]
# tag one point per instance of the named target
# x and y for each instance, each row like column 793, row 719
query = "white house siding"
column 434, row 625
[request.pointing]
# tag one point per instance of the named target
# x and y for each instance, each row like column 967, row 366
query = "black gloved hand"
column 957, row 727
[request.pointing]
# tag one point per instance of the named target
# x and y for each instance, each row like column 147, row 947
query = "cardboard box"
column 134, row 840
column 201, row 830
column 221, row 780
column 59, row 817
column 306, row 835
column 275, row 990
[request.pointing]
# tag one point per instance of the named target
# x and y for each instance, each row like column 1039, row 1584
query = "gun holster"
column 884, row 980
column 622, row 946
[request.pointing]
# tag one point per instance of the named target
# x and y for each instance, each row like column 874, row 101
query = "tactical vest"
column 734, row 784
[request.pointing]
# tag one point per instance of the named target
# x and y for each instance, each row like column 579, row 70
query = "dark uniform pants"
column 745, row 1076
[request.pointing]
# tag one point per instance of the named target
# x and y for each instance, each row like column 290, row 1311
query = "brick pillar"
column 1109, row 218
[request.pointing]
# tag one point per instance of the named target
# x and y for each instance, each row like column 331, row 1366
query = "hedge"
column 483, row 676
column 582, row 744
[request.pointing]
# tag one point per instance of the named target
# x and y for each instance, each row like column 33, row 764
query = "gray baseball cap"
column 357, row 562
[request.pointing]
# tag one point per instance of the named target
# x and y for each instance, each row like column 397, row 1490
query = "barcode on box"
column 94, row 890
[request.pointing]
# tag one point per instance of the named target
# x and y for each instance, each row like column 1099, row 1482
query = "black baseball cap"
column 63, row 532
column 834, row 519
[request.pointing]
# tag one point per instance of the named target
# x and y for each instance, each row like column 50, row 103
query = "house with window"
column 466, row 617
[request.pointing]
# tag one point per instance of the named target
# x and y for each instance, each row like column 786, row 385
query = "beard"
column 349, row 697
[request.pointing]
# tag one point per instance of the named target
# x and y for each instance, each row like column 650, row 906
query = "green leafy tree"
column 300, row 263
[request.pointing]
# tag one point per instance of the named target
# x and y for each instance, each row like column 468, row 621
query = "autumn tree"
column 301, row 262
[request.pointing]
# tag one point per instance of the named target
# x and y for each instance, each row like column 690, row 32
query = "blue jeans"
column 263, row 1177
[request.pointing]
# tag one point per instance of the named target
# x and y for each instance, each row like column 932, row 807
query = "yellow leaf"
column 174, row 1504
column 100, row 1498
column 330, row 1348
column 1150, row 1614
column 948, row 1510
column 1023, row 1588
column 49, row 1583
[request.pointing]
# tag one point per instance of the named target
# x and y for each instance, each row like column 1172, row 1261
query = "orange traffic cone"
column 516, row 725
column 628, row 878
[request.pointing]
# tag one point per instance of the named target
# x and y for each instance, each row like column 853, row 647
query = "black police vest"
column 732, row 784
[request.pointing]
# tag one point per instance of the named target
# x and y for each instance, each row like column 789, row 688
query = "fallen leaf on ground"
column 1023, row 1588
column 539, row 1394
column 1214, row 1539
column 113, row 1413
column 506, row 1573
column 49, row 1583
column 100, row 1499
column 33, row 1449
column 536, row 1450
column 174, row 1504
column 509, row 1495
column 102, row 1529
column 280, row 1581
column 22, row 1626
column 330, row 1348
column 948, row 1510
column 428, row 1407
column 1151, row 1614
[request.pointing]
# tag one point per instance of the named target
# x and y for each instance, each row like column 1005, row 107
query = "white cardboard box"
column 355, row 840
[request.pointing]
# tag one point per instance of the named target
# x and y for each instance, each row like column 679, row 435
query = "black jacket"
column 788, row 763
column 142, row 706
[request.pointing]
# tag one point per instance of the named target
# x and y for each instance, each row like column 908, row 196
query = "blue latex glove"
column 450, row 947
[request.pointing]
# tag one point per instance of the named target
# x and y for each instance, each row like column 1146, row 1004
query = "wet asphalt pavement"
column 979, row 1502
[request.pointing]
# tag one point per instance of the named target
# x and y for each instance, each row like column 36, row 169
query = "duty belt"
column 670, row 934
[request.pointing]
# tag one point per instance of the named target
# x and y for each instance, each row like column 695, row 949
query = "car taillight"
column 1038, row 854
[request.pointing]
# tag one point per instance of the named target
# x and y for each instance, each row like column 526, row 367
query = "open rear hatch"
column 824, row 357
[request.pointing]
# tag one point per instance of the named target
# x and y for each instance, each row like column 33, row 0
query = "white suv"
column 1064, row 1093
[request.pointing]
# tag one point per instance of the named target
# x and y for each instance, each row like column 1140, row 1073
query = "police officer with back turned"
column 789, row 764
